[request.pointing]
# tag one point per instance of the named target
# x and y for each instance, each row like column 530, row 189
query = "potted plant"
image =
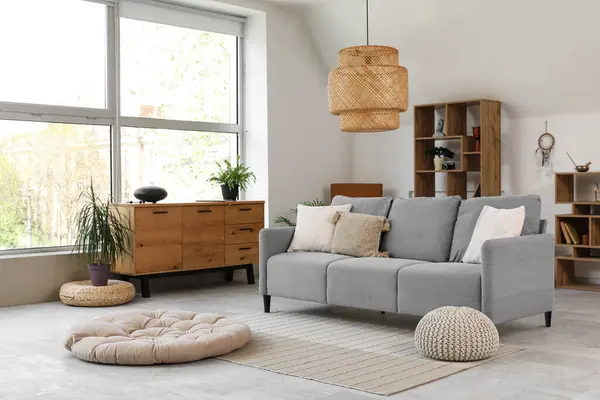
column 103, row 234
column 232, row 178
column 439, row 155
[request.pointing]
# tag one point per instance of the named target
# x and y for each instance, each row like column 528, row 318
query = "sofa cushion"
column 300, row 275
column 470, row 209
column 378, row 206
column 369, row 283
column 425, row 287
column 421, row 228
column 358, row 235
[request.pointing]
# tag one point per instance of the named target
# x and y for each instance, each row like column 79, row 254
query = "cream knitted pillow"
column 358, row 235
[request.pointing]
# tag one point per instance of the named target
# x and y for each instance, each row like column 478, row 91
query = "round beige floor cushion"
column 155, row 337
column 456, row 334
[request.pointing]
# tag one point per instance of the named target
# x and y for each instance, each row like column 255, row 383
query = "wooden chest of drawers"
column 194, row 236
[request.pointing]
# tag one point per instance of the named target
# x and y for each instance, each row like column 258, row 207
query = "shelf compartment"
column 424, row 121
column 456, row 119
column 564, row 186
column 581, row 223
column 456, row 184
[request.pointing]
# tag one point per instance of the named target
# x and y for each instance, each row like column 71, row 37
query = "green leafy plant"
column 240, row 175
column 440, row 152
column 103, row 232
column 289, row 222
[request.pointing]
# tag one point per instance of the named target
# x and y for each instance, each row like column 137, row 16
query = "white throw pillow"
column 315, row 228
column 494, row 223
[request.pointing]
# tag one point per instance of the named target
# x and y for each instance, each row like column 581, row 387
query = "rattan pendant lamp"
column 369, row 89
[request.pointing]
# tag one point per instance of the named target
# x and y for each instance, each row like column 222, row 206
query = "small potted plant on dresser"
column 232, row 178
column 103, row 234
column 439, row 155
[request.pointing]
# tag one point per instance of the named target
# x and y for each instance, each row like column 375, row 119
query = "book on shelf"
column 575, row 238
column 565, row 233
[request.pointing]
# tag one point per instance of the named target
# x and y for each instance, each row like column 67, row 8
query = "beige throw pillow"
column 358, row 235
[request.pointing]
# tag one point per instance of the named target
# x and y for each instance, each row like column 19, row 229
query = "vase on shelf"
column 477, row 136
column 438, row 163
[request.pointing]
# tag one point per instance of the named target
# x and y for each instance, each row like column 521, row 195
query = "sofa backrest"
column 470, row 209
column 421, row 228
column 378, row 206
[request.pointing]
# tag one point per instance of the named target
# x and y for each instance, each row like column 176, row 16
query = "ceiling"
column 540, row 57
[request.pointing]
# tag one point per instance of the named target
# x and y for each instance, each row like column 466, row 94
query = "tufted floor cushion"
column 139, row 337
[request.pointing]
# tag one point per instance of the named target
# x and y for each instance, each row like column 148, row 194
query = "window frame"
column 111, row 116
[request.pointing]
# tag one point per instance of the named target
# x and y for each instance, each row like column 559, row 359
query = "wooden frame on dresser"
column 174, row 239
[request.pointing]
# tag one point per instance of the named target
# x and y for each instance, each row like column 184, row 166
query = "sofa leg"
column 548, row 316
column 267, row 303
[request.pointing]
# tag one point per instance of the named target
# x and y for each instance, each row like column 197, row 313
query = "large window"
column 127, row 94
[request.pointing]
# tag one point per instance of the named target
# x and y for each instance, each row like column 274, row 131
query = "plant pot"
column 230, row 194
column 438, row 163
column 99, row 274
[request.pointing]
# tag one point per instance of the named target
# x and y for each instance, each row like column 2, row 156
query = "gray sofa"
column 426, row 243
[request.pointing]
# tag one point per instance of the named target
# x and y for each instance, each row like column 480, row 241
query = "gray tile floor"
column 562, row 362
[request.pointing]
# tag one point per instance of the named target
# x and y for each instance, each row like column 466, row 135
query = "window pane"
column 177, row 73
column 54, row 52
column 179, row 161
column 43, row 169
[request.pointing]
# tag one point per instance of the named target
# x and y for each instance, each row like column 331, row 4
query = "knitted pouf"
column 456, row 334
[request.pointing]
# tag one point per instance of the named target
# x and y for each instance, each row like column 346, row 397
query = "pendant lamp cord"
column 368, row 23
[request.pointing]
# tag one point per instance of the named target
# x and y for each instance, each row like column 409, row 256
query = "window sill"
column 34, row 253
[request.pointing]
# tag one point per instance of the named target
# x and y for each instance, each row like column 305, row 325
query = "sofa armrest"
column 517, row 277
column 271, row 241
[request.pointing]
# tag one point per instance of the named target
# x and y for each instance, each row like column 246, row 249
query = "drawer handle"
column 204, row 211
column 245, row 248
column 246, row 229
column 160, row 212
column 245, row 209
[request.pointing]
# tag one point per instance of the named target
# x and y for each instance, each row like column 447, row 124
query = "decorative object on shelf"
column 449, row 165
column 439, row 155
column 477, row 137
column 150, row 194
column 286, row 221
column 545, row 145
column 580, row 168
column 572, row 232
column 597, row 192
column 232, row 179
column 585, row 239
column 439, row 128
column 368, row 90
column 103, row 234
column 566, row 235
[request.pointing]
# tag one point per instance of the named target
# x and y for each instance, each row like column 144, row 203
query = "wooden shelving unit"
column 585, row 218
column 486, row 163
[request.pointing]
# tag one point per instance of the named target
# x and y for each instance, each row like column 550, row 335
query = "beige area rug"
column 373, row 356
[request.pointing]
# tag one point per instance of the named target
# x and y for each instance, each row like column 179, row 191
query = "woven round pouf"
column 84, row 294
column 456, row 334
